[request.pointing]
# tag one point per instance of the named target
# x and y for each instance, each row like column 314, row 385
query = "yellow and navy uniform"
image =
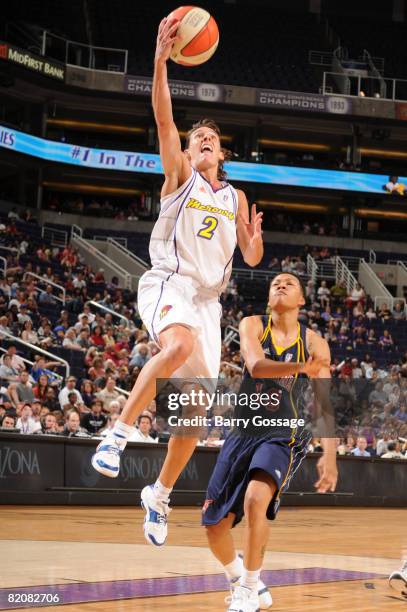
column 276, row 450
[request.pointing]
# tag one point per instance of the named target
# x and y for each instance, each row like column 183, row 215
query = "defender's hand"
column 328, row 474
column 312, row 366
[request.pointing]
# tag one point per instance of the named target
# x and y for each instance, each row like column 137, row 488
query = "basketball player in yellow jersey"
column 254, row 468
column 202, row 217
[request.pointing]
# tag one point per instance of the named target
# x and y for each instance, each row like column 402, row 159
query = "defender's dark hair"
column 299, row 279
column 209, row 123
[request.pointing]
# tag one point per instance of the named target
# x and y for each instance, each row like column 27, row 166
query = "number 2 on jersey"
column 210, row 225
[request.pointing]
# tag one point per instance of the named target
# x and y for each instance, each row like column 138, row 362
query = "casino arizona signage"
column 32, row 62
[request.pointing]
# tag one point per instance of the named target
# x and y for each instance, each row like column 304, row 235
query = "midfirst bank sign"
column 32, row 62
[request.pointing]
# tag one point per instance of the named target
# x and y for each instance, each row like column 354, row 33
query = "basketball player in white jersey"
column 202, row 218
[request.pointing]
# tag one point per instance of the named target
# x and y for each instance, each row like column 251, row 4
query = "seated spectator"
column 141, row 356
column 41, row 388
column 386, row 341
column 97, row 370
column 370, row 314
column 41, row 366
column 17, row 362
column 360, row 450
column 384, row 313
column 378, row 396
column 72, row 427
column 274, row 264
column 401, row 413
column 371, row 337
column 108, row 393
column 143, row 430
column 28, row 334
column 393, row 451
column 399, row 312
column 70, row 387
column 338, row 292
column 46, row 297
column 46, row 337
column 109, row 338
column 83, row 339
column 25, row 423
column 111, row 420
column 49, row 425
column 70, row 341
column 7, row 372
column 21, row 391
column 357, row 371
column 8, row 422
column 356, row 295
column 73, row 403
column 88, row 313
column 51, row 400
column 94, row 420
column 323, row 294
column 88, row 392
column 350, row 445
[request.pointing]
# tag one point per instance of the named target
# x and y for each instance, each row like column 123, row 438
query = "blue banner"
column 151, row 164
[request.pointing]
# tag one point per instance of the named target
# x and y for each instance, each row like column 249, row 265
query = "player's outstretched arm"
column 249, row 235
column 175, row 164
column 327, row 469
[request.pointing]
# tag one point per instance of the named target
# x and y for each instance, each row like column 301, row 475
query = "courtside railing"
column 97, row 259
column 112, row 312
column 44, row 281
column 38, row 349
column 344, row 275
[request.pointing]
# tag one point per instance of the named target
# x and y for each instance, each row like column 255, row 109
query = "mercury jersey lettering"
column 195, row 234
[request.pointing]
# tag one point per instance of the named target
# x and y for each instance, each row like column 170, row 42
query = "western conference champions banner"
column 150, row 163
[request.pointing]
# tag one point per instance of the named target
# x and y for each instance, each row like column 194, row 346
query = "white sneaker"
column 398, row 580
column 244, row 600
column 106, row 459
column 155, row 522
column 265, row 599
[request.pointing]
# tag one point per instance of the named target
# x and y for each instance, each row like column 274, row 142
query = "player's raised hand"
column 167, row 35
column 254, row 226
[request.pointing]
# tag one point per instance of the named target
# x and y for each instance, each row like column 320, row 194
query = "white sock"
column 250, row 579
column 121, row 432
column 162, row 493
column 234, row 569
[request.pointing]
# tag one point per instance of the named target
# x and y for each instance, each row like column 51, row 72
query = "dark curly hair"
column 209, row 123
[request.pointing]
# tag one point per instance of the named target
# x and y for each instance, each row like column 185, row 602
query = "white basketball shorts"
column 165, row 299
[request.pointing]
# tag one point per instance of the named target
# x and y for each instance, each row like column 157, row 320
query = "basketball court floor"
column 95, row 558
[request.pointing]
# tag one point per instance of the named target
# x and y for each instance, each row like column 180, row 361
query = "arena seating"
column 248, row 297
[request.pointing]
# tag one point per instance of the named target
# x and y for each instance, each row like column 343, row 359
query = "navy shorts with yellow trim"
column 238, row 458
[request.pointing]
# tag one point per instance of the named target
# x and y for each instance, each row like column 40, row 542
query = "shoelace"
column 161, row 519
column 114, row 448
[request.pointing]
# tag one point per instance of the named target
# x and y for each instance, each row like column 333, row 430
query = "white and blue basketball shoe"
column 155, row 522
column 244, row 600
column 398, row 580
column 265, row 599
column 106, row 459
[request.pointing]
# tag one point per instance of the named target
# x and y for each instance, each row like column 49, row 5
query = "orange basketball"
column 199, row 36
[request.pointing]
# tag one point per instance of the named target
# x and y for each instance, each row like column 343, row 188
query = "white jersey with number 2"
column 195, row 234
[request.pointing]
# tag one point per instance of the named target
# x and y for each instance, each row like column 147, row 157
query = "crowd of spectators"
column 37, row 397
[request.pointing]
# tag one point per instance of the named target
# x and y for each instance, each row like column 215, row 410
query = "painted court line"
column 159, row 587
